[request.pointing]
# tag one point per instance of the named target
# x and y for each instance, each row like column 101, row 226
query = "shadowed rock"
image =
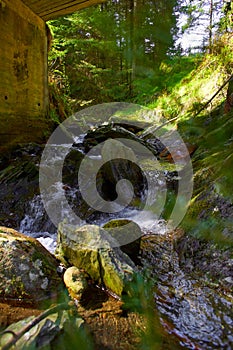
column 128, row 234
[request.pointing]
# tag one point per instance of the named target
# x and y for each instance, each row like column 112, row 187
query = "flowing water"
column 201, row 317
column 36, row 221
column 61, row 199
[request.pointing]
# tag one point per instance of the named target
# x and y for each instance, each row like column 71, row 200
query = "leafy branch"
column 35, row 321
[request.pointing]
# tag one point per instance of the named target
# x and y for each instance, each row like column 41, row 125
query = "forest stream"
column 194, row 311
column 116, row 218
column 200, row 316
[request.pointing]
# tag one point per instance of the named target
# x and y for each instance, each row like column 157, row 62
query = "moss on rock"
column 28, row 271
column 90, row 248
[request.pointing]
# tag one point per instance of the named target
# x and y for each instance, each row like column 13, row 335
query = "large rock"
column 91, row 248
column 18, row 183
column 120, row 164
column 114, row 131
column 104, row 132
column 28, row 272
column 128, row 234
column 71, row 167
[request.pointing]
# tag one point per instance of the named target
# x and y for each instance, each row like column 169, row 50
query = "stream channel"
column 199, row 315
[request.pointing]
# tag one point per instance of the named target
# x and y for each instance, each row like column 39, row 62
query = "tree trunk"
column 211, row 26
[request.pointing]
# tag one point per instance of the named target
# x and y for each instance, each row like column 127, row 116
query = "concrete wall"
column 23, row 74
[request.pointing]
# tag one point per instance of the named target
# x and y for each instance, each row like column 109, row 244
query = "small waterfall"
column 37, row 224
column 61, row 198
column 196, row 313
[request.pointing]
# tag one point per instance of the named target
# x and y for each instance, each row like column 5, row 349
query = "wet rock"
column 18, row 182
column 115, row 149
column 195, row 306
column 71, row 167
column 75, row 281
column 229, row 280
column 209, row 262
column 110, row 131
column 134, row 126
column 120, row 163
column 28, row 271
column 128, row 234
column 91, row 248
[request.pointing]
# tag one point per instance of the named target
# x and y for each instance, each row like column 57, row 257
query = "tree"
column 85, row 51
column 226, row 23
column 202, row 19
column 103, row 50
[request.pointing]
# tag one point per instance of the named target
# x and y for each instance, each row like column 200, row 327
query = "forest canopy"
column 116, row 51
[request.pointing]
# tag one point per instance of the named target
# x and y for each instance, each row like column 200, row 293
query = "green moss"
column 116, row 223
column 213, row 182
column 36, row 255
column 17, row 287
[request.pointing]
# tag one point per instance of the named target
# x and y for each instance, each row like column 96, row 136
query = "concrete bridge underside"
column 49, row 9
column 23, row 66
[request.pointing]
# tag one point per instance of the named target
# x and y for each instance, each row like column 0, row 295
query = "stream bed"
column 199, row 314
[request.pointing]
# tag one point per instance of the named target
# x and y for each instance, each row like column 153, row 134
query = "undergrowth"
column 188, row 83
column 185, row 84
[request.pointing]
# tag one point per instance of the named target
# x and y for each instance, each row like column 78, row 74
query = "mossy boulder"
column 128, row 234
column 91, row 248
column 28, row 272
